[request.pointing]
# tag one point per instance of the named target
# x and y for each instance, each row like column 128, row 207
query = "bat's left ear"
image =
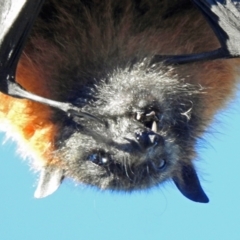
column 189, row 185
column 49, row 181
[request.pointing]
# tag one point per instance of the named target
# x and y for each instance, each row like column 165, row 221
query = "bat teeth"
column 151, row 114
column 154, row 126
column 138, row 116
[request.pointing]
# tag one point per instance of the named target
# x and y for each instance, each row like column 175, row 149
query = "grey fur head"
column 146, row 135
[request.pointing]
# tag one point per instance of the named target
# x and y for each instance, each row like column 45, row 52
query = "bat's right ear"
column 189, row 185
column 49, row 181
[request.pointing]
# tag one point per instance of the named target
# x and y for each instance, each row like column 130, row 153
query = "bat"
column 115, row 94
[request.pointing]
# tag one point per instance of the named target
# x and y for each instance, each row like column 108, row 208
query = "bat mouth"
column 149, row 120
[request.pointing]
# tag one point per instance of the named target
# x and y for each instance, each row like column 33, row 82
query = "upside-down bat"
column 115, row 93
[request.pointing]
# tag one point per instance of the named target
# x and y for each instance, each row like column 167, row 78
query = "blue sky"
column 162, row 213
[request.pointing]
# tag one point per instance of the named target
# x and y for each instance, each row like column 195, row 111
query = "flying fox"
column 115, row 93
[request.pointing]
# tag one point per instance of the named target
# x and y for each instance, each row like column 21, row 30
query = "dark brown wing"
column 224, row 18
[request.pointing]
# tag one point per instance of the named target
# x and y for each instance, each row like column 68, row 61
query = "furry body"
column 97, row 54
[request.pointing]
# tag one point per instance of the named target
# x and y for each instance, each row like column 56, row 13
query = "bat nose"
column 147, row 138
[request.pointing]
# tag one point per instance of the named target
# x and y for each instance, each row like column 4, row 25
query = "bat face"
column 149, row 123
column 145, row 117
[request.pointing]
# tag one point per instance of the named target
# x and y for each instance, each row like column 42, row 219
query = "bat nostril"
column 148, row 138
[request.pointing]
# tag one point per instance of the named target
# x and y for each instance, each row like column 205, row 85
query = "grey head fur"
column 147, row 133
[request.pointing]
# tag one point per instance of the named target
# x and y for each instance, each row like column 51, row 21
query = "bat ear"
column 49, row 181
column 189, row 185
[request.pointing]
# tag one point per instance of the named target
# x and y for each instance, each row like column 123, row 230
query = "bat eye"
column 158, row 165
column 162, row 164
column 98, row 158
